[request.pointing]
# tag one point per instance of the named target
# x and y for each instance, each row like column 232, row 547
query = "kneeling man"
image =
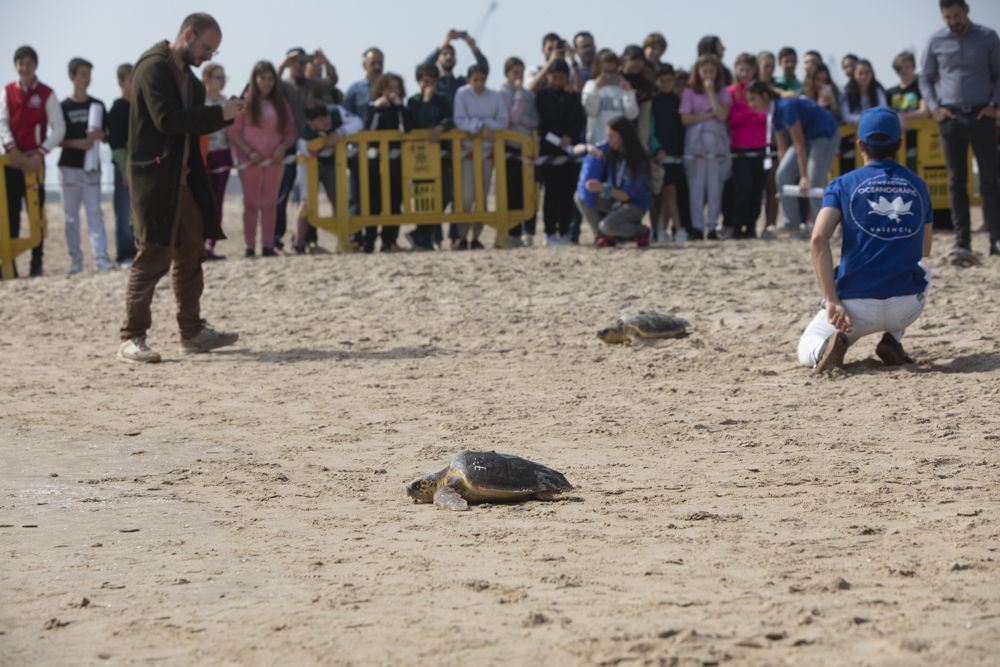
column 882, row 282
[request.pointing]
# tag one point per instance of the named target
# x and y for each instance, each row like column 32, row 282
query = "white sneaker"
column 105, row 264
column 767, row 234
column 135, row 350
column 75, row 266
column 680, row 236
column 528, row 240
column 551, row 240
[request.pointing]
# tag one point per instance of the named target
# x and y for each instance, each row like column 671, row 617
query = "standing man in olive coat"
column 172, row 208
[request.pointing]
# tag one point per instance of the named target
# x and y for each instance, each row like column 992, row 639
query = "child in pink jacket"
column 261, row 135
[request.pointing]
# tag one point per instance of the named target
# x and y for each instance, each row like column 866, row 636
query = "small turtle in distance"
column 480, row 477
column 643, row 326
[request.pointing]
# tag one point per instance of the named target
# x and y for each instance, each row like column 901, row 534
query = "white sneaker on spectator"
column 767, row 234
column 104, row 264
column 75, row 266
column 680, row 236
column 135, row 350
column 528, row 240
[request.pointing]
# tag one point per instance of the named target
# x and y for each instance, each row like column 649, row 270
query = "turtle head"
column 613, row 334
column 422, row 489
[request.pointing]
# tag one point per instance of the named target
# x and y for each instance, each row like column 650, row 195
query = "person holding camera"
column 554, row 49
column 444, row 57
column 299, row 91
column 172, row 205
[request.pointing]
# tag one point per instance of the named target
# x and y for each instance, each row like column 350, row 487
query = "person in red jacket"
column 28, row 110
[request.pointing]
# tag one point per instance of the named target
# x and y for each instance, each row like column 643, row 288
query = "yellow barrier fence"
column 921, row 150
column 422, row 182
column 10, row 248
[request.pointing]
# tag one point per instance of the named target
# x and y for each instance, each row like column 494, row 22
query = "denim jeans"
column 606, row 219
column 79, row 186
column 821, row 152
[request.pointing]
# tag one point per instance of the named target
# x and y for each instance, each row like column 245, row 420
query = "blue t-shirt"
column 884, row 207
column 816, row 121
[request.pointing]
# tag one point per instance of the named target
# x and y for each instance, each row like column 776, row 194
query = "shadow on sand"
column 337, row 354
column 980, row 362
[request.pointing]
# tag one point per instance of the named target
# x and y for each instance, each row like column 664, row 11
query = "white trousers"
column 83, row 186
column 869, row 316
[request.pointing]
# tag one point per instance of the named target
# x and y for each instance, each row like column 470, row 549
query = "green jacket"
column 158, row 124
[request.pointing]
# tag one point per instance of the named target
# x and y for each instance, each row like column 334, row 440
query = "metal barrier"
column 921, row 150
column 421, row 180
column 10, row 248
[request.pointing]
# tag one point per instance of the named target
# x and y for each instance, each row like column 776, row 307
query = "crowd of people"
column 661, row 152
column 654, row 141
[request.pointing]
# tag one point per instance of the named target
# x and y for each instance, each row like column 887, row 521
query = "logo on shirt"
column 888, row 208
column 34, row 102
column 894, row 210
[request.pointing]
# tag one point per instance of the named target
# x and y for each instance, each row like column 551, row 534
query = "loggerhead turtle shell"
column 649, row 324
column 485, row 476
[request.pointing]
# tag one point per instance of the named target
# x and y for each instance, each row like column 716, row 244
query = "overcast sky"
column 116, row 31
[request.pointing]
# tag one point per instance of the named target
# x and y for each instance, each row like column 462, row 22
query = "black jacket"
column 158, row 125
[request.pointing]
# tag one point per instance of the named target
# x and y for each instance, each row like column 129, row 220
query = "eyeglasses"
column 207, row 47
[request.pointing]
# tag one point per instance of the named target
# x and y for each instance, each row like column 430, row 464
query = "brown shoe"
column 831, row 355
column 891, row 351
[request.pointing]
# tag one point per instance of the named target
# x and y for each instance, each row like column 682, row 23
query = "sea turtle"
column 478, row 477
column 644, row 325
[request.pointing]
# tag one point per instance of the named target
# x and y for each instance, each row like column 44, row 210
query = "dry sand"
column 247, row 506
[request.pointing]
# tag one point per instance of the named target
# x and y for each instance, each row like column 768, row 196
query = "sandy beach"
column 247, row 507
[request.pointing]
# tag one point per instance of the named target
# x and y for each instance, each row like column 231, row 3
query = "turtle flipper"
column 548, row 495
column 450, row 499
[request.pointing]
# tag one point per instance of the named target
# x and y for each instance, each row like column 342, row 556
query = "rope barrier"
column 555, row 160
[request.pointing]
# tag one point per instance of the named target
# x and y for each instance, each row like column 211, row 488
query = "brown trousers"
column 152, row 262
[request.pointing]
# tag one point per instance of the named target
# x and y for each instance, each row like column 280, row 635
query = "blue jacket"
column 615, row 174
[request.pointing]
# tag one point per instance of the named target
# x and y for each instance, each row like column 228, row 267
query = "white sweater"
column 603, row 104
